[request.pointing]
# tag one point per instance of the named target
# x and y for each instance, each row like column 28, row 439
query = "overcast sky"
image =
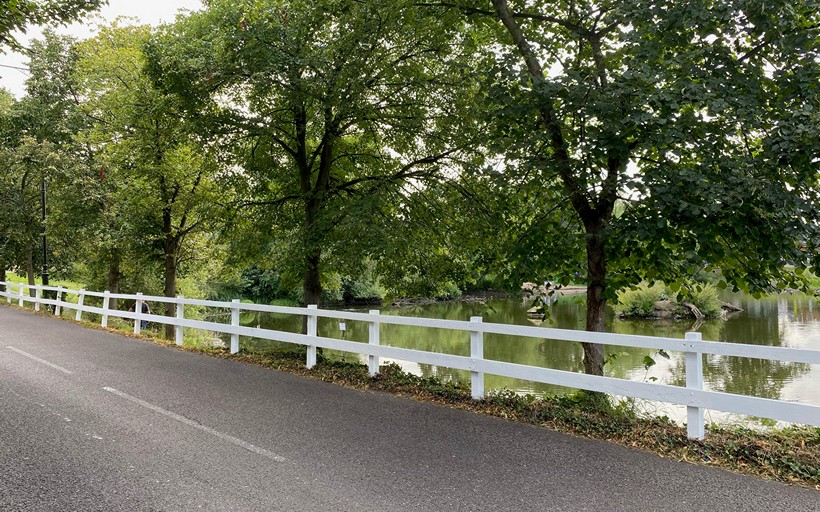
column 153, row 12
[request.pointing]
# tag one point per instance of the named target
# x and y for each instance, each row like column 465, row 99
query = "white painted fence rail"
column 693, row 396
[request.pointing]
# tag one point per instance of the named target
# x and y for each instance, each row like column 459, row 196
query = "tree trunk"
column 596, row 300
column 593, row 219
column 312, row 285
column 30, row 267
column 2, row 275
column 171, row 247
column 114, row 276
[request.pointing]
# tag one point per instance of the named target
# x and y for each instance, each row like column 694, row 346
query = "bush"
column 640, row 301
column 706, row 300
column 447, row 290
column 364, row 287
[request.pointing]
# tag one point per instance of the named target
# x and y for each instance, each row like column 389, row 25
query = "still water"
column 783, row 320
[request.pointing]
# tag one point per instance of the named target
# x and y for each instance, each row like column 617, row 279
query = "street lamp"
column 43, row 205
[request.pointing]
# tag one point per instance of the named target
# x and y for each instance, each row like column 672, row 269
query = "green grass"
column 65, row 283
column 285, row 302
column 707, row 300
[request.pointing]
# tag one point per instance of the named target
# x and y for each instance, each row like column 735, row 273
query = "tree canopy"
column 440, row 143
column 17, row 15
column 699, row 119
column 327, row 106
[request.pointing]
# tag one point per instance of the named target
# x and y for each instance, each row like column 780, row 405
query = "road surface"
column 93, row 421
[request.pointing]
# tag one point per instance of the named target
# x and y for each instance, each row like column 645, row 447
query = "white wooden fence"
column 693, row 396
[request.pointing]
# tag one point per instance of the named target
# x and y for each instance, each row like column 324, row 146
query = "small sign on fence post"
column 476, row 354
column 694, row 380
column 235, row 323
column 312, row 323
column 373, row 339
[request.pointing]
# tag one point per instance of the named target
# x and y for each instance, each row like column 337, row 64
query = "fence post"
column 476, row 354
column 235, row 322
column 80, row 300
column 38, row 296
column 20, row 294
column 57, row 309
column 180, row 315
column 9, row 287
column 138, row 310
column 694, row 380
column 106, row 302
column 373, row 339
column 312, row 328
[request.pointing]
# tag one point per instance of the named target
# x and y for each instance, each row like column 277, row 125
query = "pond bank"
column 479, row 297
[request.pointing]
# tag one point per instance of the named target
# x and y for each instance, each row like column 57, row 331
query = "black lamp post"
column 43, row 205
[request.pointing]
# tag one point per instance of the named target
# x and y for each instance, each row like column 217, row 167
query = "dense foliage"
column 343, row 150
column 16, row 15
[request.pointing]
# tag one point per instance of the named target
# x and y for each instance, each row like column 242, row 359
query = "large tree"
column 38, row 150
column 700, row 118
column 326, row 104
column 157, row 178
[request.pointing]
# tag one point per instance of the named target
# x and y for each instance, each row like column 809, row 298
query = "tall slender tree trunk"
column 2, row 274
column 171, row 246
column 596, row 300
column 312, row 285
column 114, row 276
column 594, row 220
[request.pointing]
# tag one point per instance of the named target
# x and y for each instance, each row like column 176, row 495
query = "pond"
column 788, row 320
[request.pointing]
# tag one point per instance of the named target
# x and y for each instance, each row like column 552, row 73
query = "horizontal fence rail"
column 693, row 395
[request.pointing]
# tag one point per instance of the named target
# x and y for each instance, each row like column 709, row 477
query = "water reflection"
column 784, row 320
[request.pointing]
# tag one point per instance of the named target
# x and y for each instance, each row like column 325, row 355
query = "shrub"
column 366, row 286
column 639, row 301
column 706, row 300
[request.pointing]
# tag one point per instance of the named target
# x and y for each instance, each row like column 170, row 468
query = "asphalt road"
column 95, row 421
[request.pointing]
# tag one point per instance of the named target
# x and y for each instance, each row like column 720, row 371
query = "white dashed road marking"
column 42, row 361
column 191, row 423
